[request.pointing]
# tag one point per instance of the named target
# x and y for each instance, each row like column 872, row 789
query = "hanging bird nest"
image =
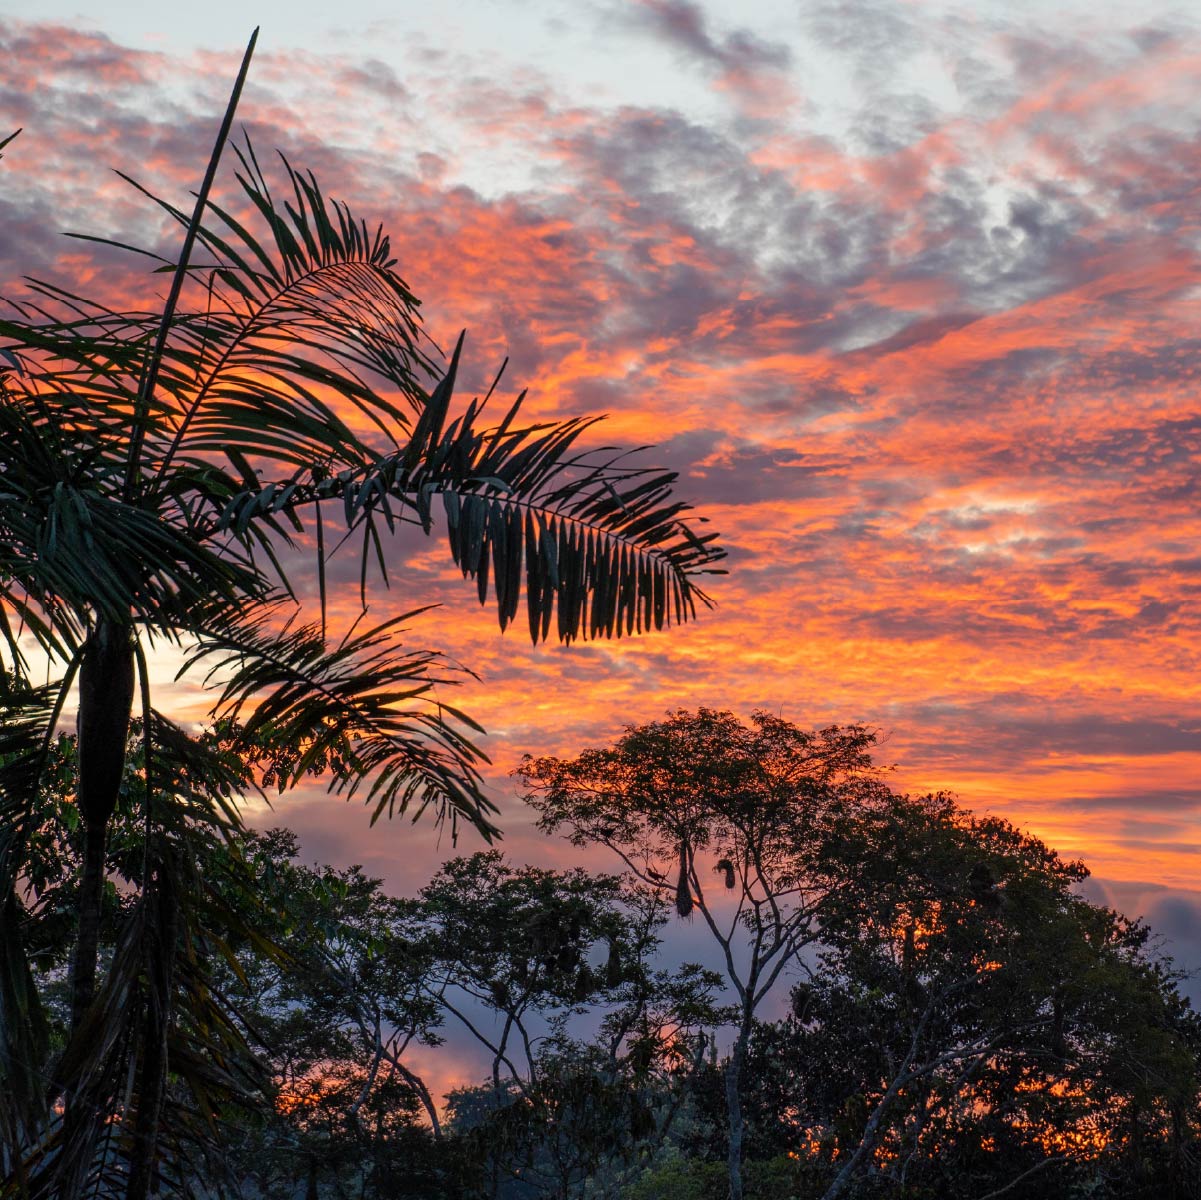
column 683, row 891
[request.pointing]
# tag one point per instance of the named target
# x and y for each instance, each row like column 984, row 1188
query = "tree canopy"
column 763, row 806
column 964, row 1023
column 953, row 989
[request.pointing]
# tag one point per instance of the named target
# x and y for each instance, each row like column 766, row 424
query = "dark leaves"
column 365, row 709
column 593, row 538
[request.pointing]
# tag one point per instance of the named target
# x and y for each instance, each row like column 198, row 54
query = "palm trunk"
column 159, row 954
column 105, row 704
column 87, row 937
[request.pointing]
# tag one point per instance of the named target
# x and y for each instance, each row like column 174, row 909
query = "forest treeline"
column 958, row 1021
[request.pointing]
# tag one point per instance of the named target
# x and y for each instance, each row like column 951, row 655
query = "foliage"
column 331, row 1022
column 539, row 948
column 199, row 908
column 956, row 992
column 1041, row 1042
column 972, row 1022
column 779, row 1178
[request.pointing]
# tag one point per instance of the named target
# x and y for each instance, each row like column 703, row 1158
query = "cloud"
column 753, row 69
column 685, row 26
column 74, row 58
column 1173, row 914
column 932, row 378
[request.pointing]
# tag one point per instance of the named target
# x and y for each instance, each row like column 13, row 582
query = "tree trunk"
column 106, row 683
column 159, row 955
column 734, row 1109
column 87, row 936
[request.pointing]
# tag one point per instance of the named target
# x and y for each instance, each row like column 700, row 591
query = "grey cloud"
column 1150, row 38
column 684, row 26
column 80, row 55
column 1034, row 725
column 920, row 332
column 914, row 620
column 1158, row 457
column 1177, row 917
column 1183, row 800
column 27, row 246
column 376, row 76
column 885, row 129
column 801, row 253
column 1172, row 914
column 752, row 474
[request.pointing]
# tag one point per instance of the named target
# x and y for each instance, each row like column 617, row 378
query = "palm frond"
column 365, row 710
column 591, row 537
column 28, row 715
column 310, row 315
column 203, row 779
column 154, row 467
column 310, row 305
column 157, row 1007
column 24, row 1032
column 73, row 550
column 152, row 365
column 298, row 303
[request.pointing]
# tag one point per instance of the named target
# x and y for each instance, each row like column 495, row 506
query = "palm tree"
column 159, row 471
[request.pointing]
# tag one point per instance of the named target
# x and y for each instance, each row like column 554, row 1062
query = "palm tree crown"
column 158, row 472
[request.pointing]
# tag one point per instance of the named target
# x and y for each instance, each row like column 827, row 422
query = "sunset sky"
column 908, row 293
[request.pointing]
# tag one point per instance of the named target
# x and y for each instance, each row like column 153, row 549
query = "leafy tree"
column 361, row 966
column 579, row 1128
column 154, row 469
column 766, row 807
column 530, row 953
column 779, row 1178
column 517, row 941
column 206, row 903
column 974, row 1024
column 332, row 1021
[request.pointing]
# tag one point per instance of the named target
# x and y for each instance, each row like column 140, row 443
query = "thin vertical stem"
column 150, row 372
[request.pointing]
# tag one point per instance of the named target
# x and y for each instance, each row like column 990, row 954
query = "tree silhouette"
column 765, row 807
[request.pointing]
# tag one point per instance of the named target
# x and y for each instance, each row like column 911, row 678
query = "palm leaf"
column 365, row 710
column 148, row 380
column 591, row 537
column 318, row 278
column 24, row 1032
column 157, row 991
column 73, row 550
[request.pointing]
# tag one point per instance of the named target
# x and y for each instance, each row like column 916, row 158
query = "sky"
column 908, row 294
